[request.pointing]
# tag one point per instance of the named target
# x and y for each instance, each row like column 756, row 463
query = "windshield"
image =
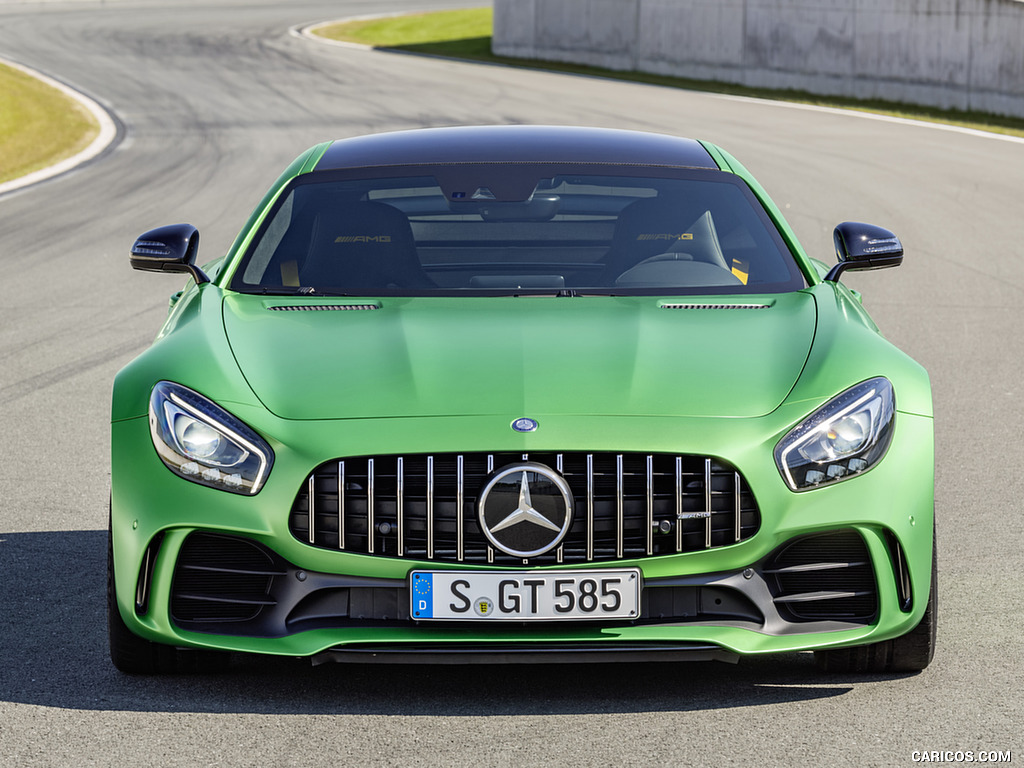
column 501, row 230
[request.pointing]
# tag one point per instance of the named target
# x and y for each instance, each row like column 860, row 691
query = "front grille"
column 221, row 579
column 425, row 506
column 824, row 577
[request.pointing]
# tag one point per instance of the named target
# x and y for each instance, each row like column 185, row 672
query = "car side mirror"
column 864, row 246
column 169, row 249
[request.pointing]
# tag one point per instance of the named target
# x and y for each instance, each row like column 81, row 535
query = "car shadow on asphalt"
column 52, row 594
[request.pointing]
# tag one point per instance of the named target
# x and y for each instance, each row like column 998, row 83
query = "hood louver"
column 716, row 306
column 322, row 307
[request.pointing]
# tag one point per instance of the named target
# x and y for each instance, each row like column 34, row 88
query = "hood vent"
column 716, row 306
column 321, row 307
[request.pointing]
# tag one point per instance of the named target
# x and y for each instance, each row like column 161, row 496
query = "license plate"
column 518, row 596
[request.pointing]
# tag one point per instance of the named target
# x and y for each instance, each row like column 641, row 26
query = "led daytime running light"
column 845, row 437
column 238, row 461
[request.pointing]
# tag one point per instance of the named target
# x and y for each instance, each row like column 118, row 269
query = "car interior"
column 574, row 235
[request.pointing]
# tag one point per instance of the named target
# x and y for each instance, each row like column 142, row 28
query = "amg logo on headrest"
column 363, row 239
column 683, row 236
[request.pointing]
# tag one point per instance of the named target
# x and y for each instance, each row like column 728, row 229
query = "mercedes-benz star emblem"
column 525, row 509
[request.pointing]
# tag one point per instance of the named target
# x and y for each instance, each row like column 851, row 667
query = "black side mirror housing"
column 169, row 249
column 862, row 247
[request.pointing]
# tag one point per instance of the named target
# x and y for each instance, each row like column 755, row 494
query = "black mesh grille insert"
column 221, row 578
column 425, row 506
column 824, row 577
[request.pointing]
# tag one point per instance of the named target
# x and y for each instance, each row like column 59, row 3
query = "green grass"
column 442, row 30
column 39, row 125
column 466, row 34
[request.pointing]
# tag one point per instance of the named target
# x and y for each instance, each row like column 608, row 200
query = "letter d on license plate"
column 525, row 596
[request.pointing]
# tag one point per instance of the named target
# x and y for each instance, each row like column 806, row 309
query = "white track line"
column 106, row 136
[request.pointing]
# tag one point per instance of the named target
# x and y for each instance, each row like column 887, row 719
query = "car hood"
column 520, row 356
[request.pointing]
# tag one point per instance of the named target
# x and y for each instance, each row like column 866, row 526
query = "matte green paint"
column 892, row 490
column 445, row 374
column 583, row 356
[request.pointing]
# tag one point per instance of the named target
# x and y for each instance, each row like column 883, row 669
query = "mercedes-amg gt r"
column 520, row 394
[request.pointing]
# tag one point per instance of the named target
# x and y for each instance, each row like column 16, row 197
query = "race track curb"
column 107, row 135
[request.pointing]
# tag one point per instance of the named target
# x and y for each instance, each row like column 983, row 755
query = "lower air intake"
column 824, row 577
column 221, row 579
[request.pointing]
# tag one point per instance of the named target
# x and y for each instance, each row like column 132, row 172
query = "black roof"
column 515, row 144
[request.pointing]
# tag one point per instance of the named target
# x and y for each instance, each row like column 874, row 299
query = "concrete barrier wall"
column 962, row 54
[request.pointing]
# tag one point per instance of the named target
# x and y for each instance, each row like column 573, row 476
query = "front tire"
column 911, row 652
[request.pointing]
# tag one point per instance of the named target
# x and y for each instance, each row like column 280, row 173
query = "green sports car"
column 520, row 394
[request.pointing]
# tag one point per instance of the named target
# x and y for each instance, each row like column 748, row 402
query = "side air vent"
column 824, row 577
column 902, row 570
column 142, row 586
column 321, row 307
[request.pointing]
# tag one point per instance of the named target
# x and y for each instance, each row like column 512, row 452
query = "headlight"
column 202, row 442
column 846, row 436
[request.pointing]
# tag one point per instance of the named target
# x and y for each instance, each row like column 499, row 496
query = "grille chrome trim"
column 341, row 505
column 312, row 509
column 460, row 500
column 620, row 502
column 679, row 503
column 430, row 509
column 370, row 506
column 424, row 506
column 590, row 507
column 737, row 512
column 707, row 503
column 650, row 505
column 400, row 508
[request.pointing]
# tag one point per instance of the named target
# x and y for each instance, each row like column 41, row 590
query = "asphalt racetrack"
column 213, row 99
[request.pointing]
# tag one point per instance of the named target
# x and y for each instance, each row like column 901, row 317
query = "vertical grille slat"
column 430, row 507
column 341, row 505
column 737, row 509
column 311, row 493
column 650, row 506
column 459, row 502
column 590, row 507
column 425, row 506
column 370, row 506
column 620, row 501
column 679, row 503
column 400, row 505
column 708, row 510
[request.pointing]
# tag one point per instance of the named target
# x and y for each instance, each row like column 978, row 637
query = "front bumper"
column 347, row 605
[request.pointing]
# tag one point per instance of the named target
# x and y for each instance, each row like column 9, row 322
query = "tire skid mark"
column 58, row 374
